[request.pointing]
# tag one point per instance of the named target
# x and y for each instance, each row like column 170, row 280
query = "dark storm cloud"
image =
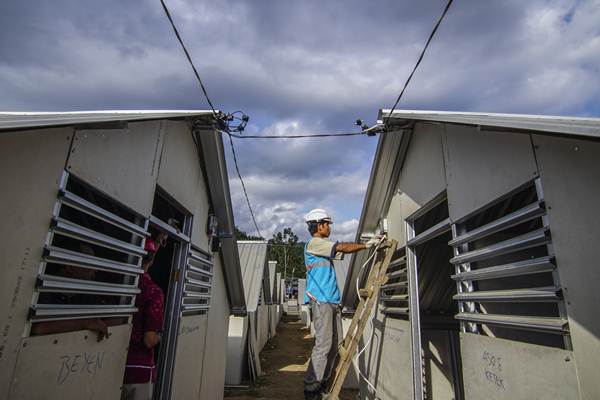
column 301, row 67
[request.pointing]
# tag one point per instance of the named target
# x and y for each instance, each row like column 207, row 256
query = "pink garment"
column 141, row 367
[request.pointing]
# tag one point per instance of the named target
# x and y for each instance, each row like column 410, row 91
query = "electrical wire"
column 360, row 374
column 187, row 54
column 317, row 135
column 212, row 107
column 435, row 28
column 237, row 169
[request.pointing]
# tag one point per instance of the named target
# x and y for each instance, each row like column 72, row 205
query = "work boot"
column 312, row 395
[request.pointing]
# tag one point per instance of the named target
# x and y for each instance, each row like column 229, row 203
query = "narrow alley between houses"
column 284, row 361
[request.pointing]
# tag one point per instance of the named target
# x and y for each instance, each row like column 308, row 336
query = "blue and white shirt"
column 321, row 283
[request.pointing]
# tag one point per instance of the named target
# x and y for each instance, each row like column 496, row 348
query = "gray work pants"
column 328, row 335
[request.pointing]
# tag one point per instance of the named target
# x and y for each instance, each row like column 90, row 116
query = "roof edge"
column 389, row 157
column 14, row 120
column 211, row 146
column 560, row 125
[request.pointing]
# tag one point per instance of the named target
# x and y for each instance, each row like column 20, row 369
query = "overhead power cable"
column 212, row 107
column 431, row 35
column 317, row 135
column 237, row 169
column 187, row 54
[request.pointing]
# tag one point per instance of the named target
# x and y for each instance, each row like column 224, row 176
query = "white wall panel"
column 236, row 350
column 213, row 370
column 481, row 166
column 570, row 172
column 181, row 176
column 188, row 370
column 31, row 164
column 71, row 366
column 498, row 369
column 423, row 176
column 387, row 360
column 123, row 163
column 439, row 383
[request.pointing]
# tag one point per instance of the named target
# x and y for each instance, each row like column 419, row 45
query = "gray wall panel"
column 181, row 176
column 423, row 176
column 387, row 360
column 71, row 366
column 213, row 370
column 497, row 369
column 121, row 162
column 481, row 166
column 439, row 383
column 31, row 164
column 351, row 381
column 236, row 350
column 188, row 370
column 570, row 172
column 396, row 220
column 401, row 207
column 262, row 325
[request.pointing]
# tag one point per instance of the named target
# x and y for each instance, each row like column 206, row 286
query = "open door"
column 167, row 272
column 434, row 330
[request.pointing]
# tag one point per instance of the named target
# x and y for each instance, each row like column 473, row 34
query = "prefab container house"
column 273, row 304
column 248, row 334
column 272, row 277
column 493, row 291
column 280, row 297
column 304, row 311
column 81, row 192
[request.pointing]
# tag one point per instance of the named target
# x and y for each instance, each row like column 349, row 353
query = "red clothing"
column 149, row 317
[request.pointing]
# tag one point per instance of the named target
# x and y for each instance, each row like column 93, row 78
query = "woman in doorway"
column 140, row 371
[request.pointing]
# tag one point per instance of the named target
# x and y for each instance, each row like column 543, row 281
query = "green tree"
column 241, row 235
column 288, row 251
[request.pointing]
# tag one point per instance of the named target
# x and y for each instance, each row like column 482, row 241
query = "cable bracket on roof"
column 379, row 127
column 235, row 121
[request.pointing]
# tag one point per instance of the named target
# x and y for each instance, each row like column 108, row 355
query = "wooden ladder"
column 367, row 296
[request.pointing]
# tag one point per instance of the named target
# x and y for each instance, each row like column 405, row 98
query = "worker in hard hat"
column 323, row 294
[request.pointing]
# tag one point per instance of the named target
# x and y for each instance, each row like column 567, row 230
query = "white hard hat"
column 318, row 214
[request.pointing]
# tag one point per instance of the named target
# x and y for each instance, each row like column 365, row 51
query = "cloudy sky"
column 301, row 67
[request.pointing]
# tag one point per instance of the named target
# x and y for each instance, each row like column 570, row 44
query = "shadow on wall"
column 375, row 345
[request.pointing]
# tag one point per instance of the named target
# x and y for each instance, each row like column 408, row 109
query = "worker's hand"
column 151, row 339
column 373, row 241
column 98, row 326
column 161, row 239
column 174, row 224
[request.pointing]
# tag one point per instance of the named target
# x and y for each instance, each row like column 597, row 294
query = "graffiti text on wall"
column 79, row 364
column 493, row 369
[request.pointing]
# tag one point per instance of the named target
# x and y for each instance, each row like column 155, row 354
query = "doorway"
column 434, row 330
column 169, row 217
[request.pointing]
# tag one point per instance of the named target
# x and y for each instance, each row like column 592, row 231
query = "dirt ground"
column 284, row 361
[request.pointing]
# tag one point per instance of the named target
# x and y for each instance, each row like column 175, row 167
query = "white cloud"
column 302, row 67
column 345, row 231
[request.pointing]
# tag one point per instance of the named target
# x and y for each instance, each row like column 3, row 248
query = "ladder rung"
column 397, row 262
column 397, row 274
column 395, row 310
column 394, row 285
column 396, row 297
